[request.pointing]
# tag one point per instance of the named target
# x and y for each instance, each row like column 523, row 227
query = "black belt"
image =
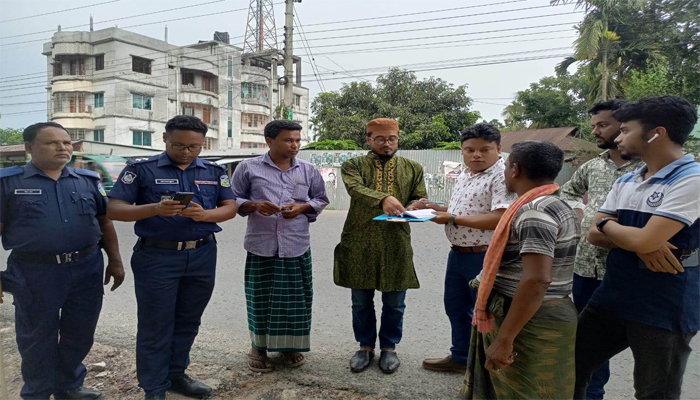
column 471, row 249
column 64, row 258
column 168, row 245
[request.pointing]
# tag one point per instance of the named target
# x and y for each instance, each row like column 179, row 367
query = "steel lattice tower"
column 260, row 32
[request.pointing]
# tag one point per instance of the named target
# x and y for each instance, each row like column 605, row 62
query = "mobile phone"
column 183, row 197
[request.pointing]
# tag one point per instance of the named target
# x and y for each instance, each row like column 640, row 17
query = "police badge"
column 128, row 178
column 225, row 181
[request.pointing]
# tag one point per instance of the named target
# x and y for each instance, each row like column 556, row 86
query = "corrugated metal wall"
column 438, row 167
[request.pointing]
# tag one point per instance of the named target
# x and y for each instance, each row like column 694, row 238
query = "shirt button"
column 65, row 220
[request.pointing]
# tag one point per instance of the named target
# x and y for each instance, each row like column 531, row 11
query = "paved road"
column 223, row 337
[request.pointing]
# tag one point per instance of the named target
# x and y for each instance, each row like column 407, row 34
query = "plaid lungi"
column 278, row 293
column 544, row 367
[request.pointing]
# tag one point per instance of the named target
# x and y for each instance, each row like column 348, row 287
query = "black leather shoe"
column 81, row 393
column 361, row 360
column 189, row 387
column 155, row 396
column 389, row 362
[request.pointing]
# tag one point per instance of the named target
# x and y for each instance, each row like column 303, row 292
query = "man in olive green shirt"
column 596, row 177
column 377, row 255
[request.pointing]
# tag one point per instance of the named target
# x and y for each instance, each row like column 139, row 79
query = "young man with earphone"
column 649, row 299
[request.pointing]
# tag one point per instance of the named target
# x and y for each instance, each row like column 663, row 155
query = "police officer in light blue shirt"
column 174, row 260
column 52, row 218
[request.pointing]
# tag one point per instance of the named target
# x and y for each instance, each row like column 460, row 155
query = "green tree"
column 10, row 136
column 654, row 81
column 398, row 94
column 554, row 101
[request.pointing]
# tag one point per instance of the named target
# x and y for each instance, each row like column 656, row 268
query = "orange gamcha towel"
column 482, row 318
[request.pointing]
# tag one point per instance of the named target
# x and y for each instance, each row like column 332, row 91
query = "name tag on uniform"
column 206, row 182
column 34, row 192
column 167, row 182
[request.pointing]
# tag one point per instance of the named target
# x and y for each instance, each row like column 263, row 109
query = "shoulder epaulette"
column 10, row 171
column 142, row 160
column 87, row 172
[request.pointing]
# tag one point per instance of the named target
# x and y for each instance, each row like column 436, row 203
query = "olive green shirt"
column 596, row 177
column 377, row 254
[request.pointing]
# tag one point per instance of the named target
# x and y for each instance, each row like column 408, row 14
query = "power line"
column 314, row 67
column 147, row 23
column 382, row 68
column 442, row 18
column 451, row 26
column 57, row 12
column 417, row 13
column 414, row 38
column 116, row 19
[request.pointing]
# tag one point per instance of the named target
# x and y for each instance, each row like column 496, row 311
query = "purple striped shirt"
column 259, row 179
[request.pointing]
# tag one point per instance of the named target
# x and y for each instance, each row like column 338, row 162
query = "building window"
column 230, row 128
column 99, row 135
column 206, row 115
column 230, row 98
column 77, row 134
column 142, row 102
column 77, row 66
column 142, row 138
column 297, row 100
column 71, row 102
column 254, row 92
column 210, row 144
column 142, row 65
column 99, row 100
column 188, row 111
column 206, row 83
column 57, row 68
column 99, row 62
column 187, row 79
column 230, row 67
column 254, row 120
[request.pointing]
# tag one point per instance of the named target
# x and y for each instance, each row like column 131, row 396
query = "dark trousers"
column 56, row 312
column 460, row 299
column 364, row 319
column 172, row 290
column 583, row 290
column 660, row 355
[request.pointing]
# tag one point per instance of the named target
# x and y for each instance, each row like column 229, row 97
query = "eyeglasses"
column 380, row 140
column 181, row 147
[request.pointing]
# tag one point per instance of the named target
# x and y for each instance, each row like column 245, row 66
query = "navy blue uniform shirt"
column 45, row 216
column 147, row 181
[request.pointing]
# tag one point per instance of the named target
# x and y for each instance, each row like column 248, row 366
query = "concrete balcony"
column 202, row 97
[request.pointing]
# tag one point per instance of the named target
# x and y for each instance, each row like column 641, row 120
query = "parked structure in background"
column 119, row 87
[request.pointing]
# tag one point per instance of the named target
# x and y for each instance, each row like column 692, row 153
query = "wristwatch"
column 601, row 223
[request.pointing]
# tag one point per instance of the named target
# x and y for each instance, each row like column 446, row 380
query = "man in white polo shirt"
column 478, row 200
column 649, row 299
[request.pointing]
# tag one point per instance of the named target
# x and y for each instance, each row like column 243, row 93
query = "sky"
column 495, row 47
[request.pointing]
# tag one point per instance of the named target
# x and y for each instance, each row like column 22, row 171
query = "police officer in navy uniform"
column 174, row 260
column 52, row 218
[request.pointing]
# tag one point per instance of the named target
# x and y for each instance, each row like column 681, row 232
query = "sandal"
column 289, row 360
column 253, row 358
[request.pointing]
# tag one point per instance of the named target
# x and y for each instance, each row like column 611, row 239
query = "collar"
column 30, row 170
column 498, row 165
column 163, row 160
column 668, row 169
column 268, row 160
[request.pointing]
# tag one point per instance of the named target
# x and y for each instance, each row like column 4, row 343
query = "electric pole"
column 289, row 55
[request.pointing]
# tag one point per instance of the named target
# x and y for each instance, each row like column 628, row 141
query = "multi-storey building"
column 116, row 86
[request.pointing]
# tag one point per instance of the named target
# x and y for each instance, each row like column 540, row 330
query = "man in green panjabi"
column 377, row 255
